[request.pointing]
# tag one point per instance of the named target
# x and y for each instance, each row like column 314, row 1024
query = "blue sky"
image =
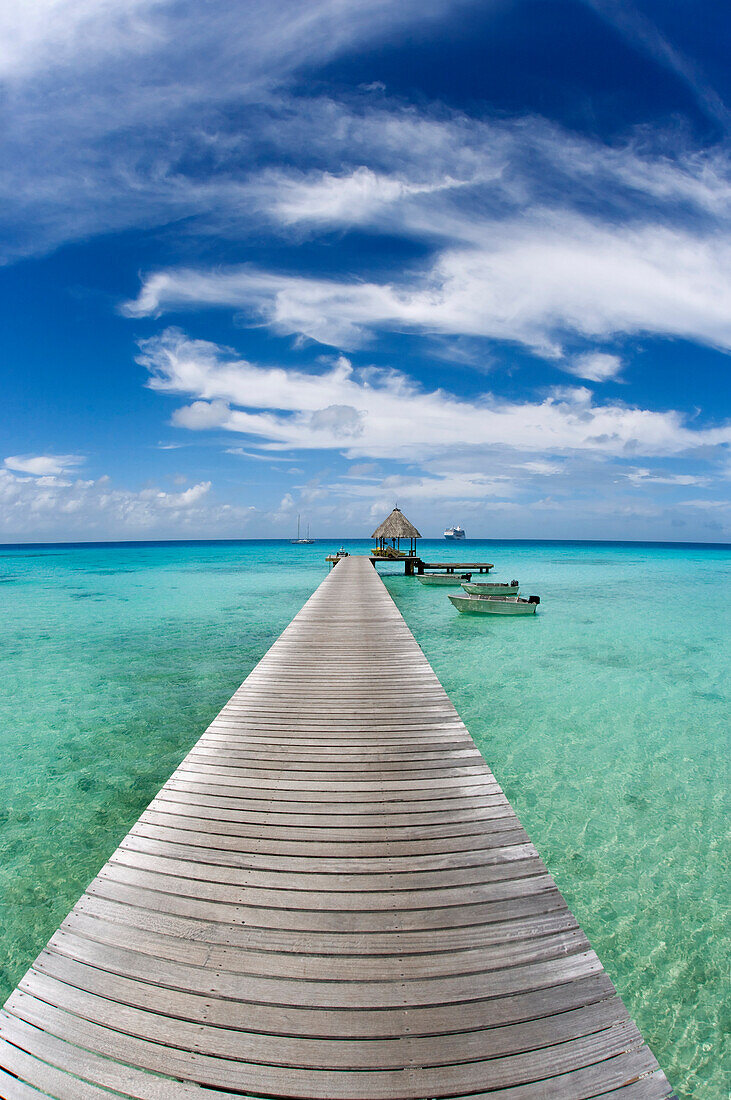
column 321, row 257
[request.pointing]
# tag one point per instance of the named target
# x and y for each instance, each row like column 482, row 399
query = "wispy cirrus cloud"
column 362, row 197
column 103, row 134
column 44, row 36
column 116, row 110
column 533, row 281
column 242, row 43
column 642, row 31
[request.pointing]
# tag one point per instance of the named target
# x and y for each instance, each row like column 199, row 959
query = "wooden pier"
column 330, row 898
column 412, row 563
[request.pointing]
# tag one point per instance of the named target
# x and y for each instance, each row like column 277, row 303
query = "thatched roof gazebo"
column 394, row 528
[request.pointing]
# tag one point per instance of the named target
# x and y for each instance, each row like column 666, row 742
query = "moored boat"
column 453, row 579
column 491, row 588
column 302, row 541
column 497, row 605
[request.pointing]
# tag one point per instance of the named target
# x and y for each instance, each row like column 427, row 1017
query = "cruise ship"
column 455, row 533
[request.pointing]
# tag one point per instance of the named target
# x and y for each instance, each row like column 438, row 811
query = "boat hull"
column 452, row 579
column 488, row 589
column 454, row 538
column 473, row 604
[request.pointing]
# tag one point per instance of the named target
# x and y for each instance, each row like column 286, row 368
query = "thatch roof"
column 396, row 526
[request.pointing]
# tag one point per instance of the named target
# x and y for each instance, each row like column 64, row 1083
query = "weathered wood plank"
column 330, row 899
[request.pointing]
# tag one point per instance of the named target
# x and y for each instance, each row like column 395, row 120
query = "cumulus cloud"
column 201, row 415
column 43, row 506
column 44, row 465
column 186, row 499
column 371, row 413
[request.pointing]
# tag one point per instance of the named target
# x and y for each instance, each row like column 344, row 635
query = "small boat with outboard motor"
column 491, row 588
column 496, row 605
column 454, row 579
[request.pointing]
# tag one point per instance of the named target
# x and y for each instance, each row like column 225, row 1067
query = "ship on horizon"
column 453, row 534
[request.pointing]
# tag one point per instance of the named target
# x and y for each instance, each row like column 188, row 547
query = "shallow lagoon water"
column 605, row 718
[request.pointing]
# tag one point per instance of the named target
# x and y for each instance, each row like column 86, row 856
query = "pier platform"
column 414, row 564
column 330, row 899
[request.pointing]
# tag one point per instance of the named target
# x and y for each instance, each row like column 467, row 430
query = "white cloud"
column 351, row 199
column 436, row 175
column 116, row 110
column 339, row 421
column 542, row 468
column 434, row 486
column 186, row 499
column 201, row 415
column 530, row 281
column 255, row 37
column 396, row 417
column 596, row 366
column 648, row 477
column 113, row 109
column 43, row 34
column 710, row 505
column 44, row 465
column 266, row 457
column 46, row 507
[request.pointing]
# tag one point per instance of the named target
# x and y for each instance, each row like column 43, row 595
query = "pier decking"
column 330, row 898
column 412, row 563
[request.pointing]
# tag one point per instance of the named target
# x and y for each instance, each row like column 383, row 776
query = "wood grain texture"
column 330, row 899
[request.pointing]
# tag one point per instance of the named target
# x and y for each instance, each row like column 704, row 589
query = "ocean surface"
column 606, row 719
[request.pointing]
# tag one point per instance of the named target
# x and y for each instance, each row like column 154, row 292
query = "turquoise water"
column 605, row 718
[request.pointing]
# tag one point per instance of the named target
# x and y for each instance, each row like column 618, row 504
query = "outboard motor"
column 465, row 577
column 514, row 584
column 534, row 599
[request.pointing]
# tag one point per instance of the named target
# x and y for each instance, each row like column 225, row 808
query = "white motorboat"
column 497, row 605
column 453, row 534
column 453, row 579
column 491, row 588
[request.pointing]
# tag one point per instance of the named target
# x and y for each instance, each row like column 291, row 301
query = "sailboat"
column 302, row 541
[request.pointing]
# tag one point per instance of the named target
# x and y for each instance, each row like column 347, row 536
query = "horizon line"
column 352, row 538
